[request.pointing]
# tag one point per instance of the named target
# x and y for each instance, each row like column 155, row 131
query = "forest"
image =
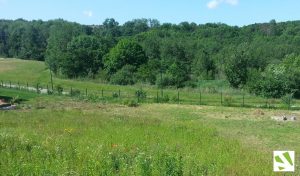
column 263, row 59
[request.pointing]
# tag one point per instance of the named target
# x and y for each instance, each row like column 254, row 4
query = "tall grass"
column 116, row 141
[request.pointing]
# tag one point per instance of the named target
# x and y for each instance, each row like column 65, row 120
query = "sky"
column 231, row 12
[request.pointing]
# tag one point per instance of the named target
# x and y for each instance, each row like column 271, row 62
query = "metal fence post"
column 221, row 98
column 200, row 97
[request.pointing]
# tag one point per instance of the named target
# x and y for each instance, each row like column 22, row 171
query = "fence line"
column 163, row 97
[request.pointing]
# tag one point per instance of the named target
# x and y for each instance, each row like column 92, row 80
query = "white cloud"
column 215, row 3
column 88, row 13
column 232, row 2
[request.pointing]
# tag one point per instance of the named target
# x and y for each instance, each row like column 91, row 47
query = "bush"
column 59, row 89
column 93, row 98
column 277, row 80
column 140, row 94
column 115, row 95
column 131, row 103
column 50, row 92
column 15, row 100
column 125, row 76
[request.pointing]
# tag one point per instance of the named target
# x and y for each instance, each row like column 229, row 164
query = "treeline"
column 263, row 58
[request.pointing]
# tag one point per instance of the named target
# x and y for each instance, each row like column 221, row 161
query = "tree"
column 111, row 28
column 84, row 57
column 177, row 62
column 278, row 80
column 61, row 33
column 272, row 83
column 204, row 66
column 126, row 52
column 236, row 68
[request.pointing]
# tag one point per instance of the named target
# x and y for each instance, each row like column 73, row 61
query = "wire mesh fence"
column 192, row 97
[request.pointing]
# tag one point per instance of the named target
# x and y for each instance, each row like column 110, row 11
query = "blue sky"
column 232, row 12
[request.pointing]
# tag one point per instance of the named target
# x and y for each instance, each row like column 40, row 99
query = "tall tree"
column 126, row 52
column 84, row 57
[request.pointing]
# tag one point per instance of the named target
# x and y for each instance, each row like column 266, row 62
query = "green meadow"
column 63, row 135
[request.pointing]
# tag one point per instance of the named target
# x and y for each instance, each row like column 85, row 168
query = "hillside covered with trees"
column 262, row 58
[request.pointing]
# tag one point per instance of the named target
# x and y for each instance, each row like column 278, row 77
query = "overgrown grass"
column 117, row 140
column 71, row 137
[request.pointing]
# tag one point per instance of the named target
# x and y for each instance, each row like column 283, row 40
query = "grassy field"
column 60, row 136
column 63, row 135
column 34, row 72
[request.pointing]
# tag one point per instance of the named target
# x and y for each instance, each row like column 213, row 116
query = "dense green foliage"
column 278, row 80
column 163, row 54
column 84, row 56
column 126, row 52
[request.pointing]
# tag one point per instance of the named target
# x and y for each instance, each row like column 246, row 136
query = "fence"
column 195, row 97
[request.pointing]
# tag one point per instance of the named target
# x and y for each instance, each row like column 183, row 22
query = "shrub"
column 277, row 80
column 93, row 98
column 140, row 94
column 59, row 89
column 125, row 76
column 15, row 100
column 115, row 95
column 131, row 103
column 50, row 92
